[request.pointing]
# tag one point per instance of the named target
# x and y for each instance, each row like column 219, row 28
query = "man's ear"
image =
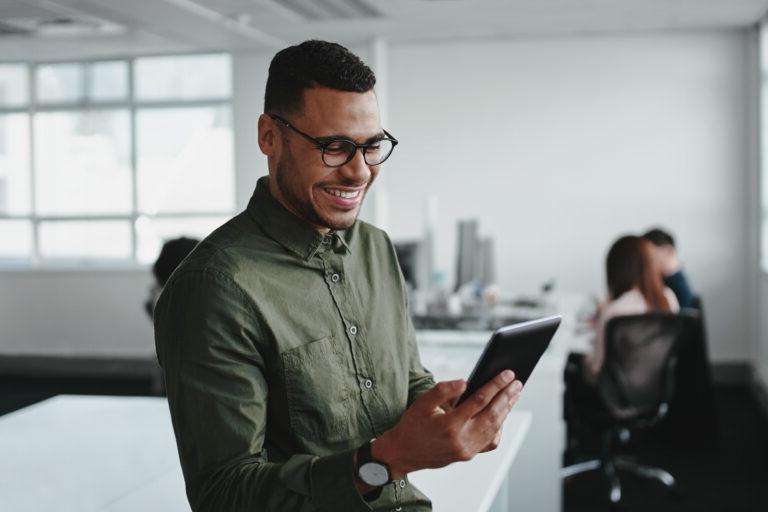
column 269, row 137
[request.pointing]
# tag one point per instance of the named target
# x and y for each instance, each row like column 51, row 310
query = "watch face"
column 374, row 474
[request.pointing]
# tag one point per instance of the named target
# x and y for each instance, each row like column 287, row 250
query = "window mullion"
column 134, row 163
column 32, row 83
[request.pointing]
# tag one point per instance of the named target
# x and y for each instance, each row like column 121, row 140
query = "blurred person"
column 667, row 261
column 171, row 255
column 634, row 288
column 290, row 361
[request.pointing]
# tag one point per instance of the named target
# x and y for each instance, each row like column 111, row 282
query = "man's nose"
column 356, row 170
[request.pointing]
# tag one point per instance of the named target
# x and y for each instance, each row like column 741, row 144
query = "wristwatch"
column 372, row 472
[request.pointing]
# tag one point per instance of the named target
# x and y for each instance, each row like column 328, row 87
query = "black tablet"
column 516, row 347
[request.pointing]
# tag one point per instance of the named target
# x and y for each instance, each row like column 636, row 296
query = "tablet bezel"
column 536, row 334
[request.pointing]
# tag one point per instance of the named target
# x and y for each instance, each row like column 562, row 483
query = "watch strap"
column 364, row 455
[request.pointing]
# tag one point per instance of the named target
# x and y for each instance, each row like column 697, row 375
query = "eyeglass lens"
column 340, row 152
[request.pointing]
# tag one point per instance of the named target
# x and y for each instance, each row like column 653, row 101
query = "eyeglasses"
column 337, row 152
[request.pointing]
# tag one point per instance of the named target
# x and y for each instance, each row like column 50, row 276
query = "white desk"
column 82, row 454
column 481, row 484
column 118, row 454
column 534, row 480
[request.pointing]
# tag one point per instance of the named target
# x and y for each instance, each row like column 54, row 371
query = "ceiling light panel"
column 325, row 10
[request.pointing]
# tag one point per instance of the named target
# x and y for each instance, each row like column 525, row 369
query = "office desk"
column 534, row 481
column 118, row 454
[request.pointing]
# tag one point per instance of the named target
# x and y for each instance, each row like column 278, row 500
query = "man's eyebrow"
column 337, row 136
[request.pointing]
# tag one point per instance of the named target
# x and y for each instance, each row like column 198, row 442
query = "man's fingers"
column 483, row 396
column 516, row 394
column 443, row 392
column 490, row 419
column 493, row 444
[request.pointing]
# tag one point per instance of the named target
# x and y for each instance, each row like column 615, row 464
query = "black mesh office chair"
column 692, row 420
column 636, row 385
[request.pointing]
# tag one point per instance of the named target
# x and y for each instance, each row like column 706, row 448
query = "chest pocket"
column 318, row 394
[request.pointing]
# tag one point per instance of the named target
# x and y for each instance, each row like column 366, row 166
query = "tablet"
column 516, row 347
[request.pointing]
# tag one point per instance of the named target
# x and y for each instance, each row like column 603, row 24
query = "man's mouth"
column 344, row 194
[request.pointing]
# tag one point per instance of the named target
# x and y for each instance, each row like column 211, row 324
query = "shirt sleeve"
column 420, row 379
column 207, row 342
column 593, row 361
column 674, row 305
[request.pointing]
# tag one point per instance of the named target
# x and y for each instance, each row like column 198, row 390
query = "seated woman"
column 635, row 287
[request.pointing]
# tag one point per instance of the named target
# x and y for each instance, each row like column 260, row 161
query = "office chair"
column 636, row 385
column 692, row 420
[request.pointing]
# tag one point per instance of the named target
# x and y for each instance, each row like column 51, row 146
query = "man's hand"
column 432, row 433
column 666, row 259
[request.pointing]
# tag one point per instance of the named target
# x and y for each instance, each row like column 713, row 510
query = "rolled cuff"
column 333, row 486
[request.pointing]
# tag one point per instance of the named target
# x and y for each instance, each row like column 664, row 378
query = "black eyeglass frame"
column 322, row 145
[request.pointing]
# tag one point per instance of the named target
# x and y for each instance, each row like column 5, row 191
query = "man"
column 171, row 254
column 667, row 261
column 285, row 338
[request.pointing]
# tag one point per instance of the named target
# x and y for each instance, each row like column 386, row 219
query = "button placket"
column 396, row 492
column 340, row 291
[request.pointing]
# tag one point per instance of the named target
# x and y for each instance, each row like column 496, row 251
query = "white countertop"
column 87, row 453
column 474, row 485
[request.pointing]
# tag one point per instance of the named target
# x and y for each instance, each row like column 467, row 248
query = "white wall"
column 556, row 145
column 84, row 313
column 560, row 145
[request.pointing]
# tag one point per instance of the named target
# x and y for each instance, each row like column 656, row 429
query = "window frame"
column 762, row 175
column 130, row 104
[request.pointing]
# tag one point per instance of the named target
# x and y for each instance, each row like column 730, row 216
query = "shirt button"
column 402, row 484
column 368, row 384
column 398, row 509
column 353, row 330
column 335, row 278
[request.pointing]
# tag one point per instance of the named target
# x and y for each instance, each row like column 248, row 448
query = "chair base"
column 610, row 470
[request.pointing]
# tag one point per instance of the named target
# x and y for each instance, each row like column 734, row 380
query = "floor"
column 733, row 478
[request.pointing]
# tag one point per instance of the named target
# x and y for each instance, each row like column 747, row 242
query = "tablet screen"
column 516, row 347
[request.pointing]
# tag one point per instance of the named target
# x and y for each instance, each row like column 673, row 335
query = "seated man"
column 290, row 361
column 172, row 253
column 667, row 261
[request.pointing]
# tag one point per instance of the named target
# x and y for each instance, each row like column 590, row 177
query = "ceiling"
column 60, row 29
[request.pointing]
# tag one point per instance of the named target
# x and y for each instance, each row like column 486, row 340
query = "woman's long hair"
column 629, row 265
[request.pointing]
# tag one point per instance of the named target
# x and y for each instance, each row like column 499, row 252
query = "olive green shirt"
column 283, row 351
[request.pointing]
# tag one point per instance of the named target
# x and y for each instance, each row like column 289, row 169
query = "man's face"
column 665, row 258
column 326, row 197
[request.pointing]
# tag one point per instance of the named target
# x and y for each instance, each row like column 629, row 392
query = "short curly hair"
column 310, row 64
column 659, row 237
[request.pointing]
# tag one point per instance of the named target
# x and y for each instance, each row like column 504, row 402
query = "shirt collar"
column 290, row 231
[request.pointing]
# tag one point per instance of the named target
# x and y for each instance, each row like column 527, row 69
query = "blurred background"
column 532, row 134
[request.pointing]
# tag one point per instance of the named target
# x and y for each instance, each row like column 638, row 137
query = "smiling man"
column 290, row 361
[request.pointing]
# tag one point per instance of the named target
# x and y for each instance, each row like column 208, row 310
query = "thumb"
column 443, row 392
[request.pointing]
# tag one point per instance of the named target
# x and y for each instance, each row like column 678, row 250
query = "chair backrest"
column 637, row 378
column 696, row 303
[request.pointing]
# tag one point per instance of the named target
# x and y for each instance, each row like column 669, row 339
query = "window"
column 763, row 235
column 103, row 161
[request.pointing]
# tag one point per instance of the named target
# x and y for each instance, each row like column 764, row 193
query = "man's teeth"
column 342, row 194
